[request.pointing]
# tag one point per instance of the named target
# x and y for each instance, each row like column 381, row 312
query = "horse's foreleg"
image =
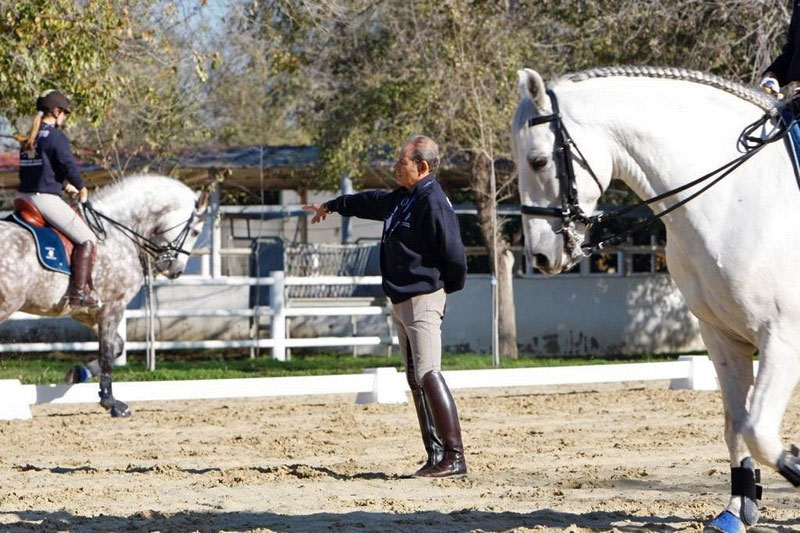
column 110, row 347
column 778, row 373
column 734, row 366
column 83, row 373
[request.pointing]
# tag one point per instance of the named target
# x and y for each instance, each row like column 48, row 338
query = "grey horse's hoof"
column 726, row 522
column 117, row 408
column 120, row 410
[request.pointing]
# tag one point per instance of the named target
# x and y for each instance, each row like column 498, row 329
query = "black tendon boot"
column 445, row 420
column 433, row 444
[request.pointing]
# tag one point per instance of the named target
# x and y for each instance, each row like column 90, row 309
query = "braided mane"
column 763, row 100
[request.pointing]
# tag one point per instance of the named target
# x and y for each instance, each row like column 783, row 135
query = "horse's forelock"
column 525, row 111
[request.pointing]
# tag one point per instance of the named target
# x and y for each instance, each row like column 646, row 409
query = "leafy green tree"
column 135, row 70
column 60, row 44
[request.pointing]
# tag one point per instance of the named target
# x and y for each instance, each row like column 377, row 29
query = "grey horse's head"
column 179, row 223
column 551, row 244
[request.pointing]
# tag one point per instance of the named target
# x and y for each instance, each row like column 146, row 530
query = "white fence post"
column 277, row 303
column 216, row 234
column 13, row 402
column 702, row 375
column 388, row 387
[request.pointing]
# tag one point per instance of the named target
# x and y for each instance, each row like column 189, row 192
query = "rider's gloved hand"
column 70, row 189
column 771, row 86
column 83, row 195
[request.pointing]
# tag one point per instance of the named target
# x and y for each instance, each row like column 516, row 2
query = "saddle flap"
column 28, row 212
column 53, row 247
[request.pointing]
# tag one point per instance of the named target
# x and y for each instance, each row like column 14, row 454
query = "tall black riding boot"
column 80, row 289
column 445, row 420
column 433, row 444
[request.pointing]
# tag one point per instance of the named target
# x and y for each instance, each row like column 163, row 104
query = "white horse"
column 733, row 251
column 142, row 215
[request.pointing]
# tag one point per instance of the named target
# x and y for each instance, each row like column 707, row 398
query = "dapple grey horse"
column 140, row 214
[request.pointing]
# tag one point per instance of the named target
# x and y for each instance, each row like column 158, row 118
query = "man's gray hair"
column 424, row 149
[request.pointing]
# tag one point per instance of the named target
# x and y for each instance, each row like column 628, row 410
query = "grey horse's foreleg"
column 84, row 373
column 110, row 347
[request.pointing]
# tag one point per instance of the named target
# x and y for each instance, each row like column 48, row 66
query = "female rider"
column 46, row 169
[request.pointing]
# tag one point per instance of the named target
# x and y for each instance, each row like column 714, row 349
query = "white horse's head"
column 179, row 225
column 552, row 241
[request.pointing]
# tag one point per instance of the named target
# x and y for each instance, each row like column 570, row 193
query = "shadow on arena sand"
column 459, row 521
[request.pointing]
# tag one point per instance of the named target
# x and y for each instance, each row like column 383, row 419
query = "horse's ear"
column 532, row 86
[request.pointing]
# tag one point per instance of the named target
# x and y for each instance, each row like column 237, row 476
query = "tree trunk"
column 505, row 304
column 487, row 205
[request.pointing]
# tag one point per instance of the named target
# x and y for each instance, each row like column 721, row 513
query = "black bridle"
column 161, row 253
column 570, row 210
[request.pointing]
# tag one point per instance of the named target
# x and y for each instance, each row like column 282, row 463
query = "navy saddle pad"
column 49, row 247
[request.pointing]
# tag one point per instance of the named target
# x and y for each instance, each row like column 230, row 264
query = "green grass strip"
column 181, row 366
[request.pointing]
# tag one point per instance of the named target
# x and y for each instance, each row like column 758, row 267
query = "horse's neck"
column 133, row 207
column 661, row 134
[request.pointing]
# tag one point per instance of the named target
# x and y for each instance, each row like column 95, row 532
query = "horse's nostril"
column 540, row 261
column 177, row 274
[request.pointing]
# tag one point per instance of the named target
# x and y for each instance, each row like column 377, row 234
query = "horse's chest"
column 713, row 295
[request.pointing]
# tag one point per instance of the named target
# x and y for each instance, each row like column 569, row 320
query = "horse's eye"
column 195, row 233
column 537, row 162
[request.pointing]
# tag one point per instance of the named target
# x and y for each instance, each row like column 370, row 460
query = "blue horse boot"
column 744, row 484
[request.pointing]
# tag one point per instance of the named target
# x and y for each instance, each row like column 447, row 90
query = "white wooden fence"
column 277, row 310
column 381, row 385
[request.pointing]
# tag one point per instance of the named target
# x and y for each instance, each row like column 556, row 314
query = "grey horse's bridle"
column 161, row 253
column 570, row 210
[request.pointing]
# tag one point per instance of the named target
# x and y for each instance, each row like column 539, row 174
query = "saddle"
column 53, row 248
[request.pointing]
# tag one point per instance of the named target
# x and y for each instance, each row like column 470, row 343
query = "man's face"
column 406, row 171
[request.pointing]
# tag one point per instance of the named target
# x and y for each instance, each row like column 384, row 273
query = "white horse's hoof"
column 726, row 522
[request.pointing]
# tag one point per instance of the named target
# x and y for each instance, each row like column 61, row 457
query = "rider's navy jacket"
column 421, row 248
column 50, row 165
column 786, row 67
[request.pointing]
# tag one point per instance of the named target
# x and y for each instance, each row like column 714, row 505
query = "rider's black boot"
column 80, row 290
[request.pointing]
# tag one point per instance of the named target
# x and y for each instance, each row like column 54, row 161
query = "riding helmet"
column 52, row 100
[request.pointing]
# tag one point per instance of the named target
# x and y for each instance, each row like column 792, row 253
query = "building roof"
column 247, row 168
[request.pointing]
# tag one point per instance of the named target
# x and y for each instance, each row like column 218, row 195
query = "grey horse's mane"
column 139, row 180
column 761, row 99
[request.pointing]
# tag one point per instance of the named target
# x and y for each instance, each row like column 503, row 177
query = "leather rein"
column 146, row 246
column 571, row 212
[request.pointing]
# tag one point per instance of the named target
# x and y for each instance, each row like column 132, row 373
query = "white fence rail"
column 381, row 385
column 277, row 311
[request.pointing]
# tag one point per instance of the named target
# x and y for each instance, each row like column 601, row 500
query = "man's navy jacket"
column 421, row 248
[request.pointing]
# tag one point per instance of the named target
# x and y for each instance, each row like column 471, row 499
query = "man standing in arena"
column 422, row 259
